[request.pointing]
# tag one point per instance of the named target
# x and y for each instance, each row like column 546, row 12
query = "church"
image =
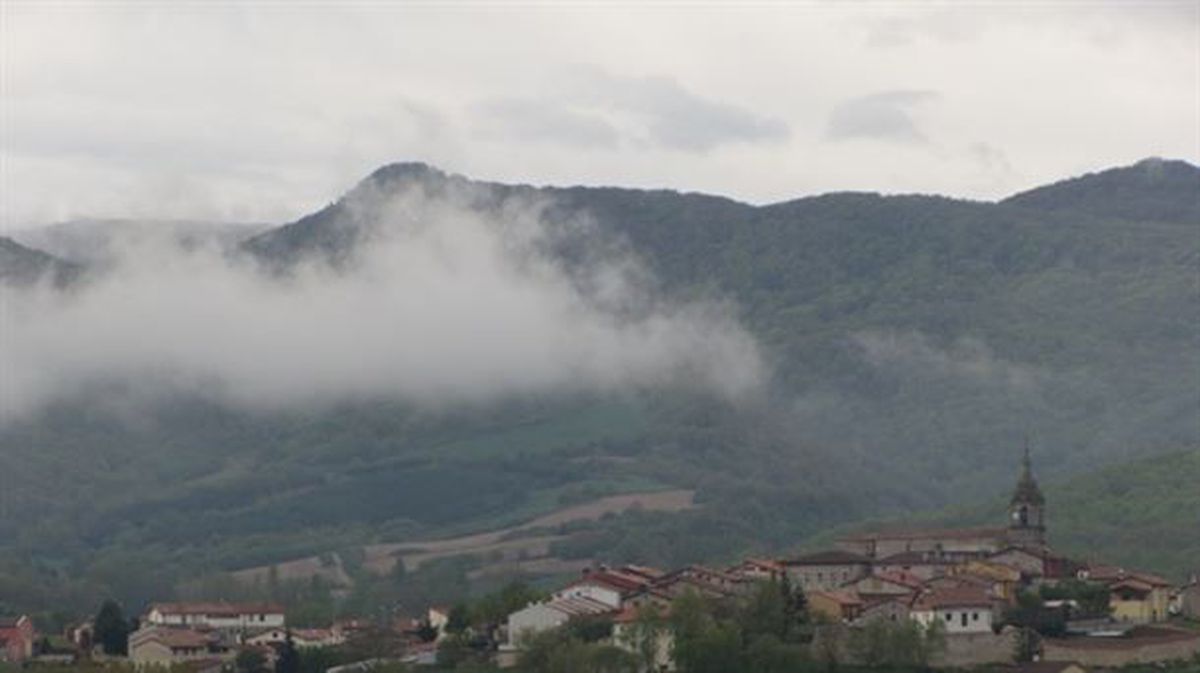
column 1025, row 531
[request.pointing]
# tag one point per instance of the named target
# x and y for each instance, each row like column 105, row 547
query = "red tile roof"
column 829, row 557
column 935, row 534
column 842, row 598
column 952, row 597
column 220, row 608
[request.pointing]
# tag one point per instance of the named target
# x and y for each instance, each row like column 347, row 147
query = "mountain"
column 914, row 341
column 22, row 266
column 1152, row 190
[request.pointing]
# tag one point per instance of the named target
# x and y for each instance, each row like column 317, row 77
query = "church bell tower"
column 1026, row 510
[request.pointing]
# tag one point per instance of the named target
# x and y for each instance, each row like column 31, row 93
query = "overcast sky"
column 265, row 111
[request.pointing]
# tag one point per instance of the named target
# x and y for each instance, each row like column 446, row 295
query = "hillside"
column 23, row 266
column 912, row 342
column 1152, row 190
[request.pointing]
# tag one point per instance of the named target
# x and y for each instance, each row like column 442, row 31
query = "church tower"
column 1026, row 510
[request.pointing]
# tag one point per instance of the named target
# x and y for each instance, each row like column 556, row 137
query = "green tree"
column 111, row 629
column 289, row 658
column 1026, row 645
column 458, row 620
column 250, row 660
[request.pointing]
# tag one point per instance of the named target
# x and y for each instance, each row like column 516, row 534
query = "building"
column 1026, row 529
column 827, row 570
column 301, row 638
column 227, row 616
column 17, row 636
column 835, row 606
column 539, row 617
column 1139, row 599
column 160, row 646
column 758, row 570
column 883, row 587
column 963, row 609
column 1027, row 510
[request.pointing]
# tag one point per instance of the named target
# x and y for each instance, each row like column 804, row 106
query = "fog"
column 438, row 305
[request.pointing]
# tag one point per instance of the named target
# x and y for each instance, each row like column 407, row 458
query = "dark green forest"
column 914, row 342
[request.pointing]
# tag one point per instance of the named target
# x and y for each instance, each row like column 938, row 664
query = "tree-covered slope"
column 912, row 342
column 1152, row 190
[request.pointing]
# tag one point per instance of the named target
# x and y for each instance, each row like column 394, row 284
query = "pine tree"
column 111, row 629
column 289, row 658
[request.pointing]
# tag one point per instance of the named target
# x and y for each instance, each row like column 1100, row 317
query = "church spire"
column 1027, row 490
column 1027, row 507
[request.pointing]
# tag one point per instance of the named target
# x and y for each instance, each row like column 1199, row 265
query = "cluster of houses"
column 963, row 579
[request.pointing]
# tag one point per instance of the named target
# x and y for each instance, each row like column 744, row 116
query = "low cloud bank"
column 441, row 305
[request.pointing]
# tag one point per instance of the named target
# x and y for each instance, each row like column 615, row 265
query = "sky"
column 265, row 111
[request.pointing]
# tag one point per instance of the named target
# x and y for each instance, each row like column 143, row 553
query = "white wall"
column 533, row 619
column 595, row 592
column 958, row 620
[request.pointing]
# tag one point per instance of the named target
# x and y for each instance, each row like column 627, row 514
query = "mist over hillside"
column 801, row 364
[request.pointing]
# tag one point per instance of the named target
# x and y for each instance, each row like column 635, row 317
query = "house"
column 168, row 646
column 17, row 636
column 886, row 585
column 924, row 565
column 301, row 638
column 837, row 606
column 758, row 570
column 826, row 570
column 438, row 616
column 892, row 609
column 1138, row 600
column 227, row 616
column 701, row 580
column 964, row 609
column 608, row 586
column 551, row 614
column 632, row 634
column 1031, row 562
column 1005, row 580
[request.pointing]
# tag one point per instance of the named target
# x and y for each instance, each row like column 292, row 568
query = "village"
column 980, row 597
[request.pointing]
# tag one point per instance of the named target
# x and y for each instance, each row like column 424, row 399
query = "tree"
column 250, row 660
column 643, row 636
column 111, row 629
column 1027, row 645
column 289, row 658
column 458, row 620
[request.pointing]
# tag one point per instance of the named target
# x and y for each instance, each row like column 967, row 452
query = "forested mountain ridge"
column 912, row 342
column 1153, row 190
column 23, row 266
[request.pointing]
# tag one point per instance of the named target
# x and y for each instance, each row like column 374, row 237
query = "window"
column 974, row 616
column 949, row 616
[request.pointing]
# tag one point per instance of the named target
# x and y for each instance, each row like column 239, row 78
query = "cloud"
column 591, row 108
column 543, row 122
column 880, row 116
column 967, row 359
column 442, row 306
column 672, row 116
